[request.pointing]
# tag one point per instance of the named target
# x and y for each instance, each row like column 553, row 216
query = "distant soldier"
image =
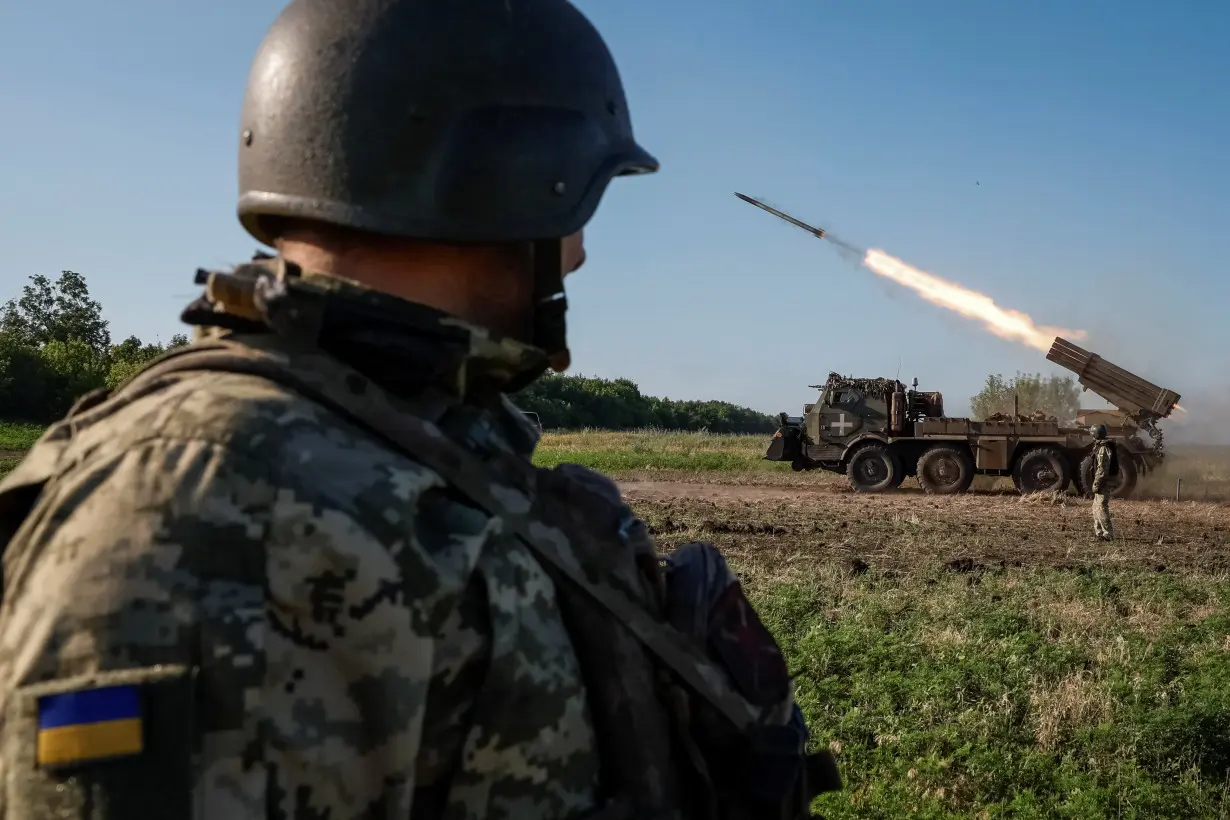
column 1105, row 469
column 305, row 567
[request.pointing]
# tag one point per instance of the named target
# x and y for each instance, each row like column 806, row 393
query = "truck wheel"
column 1041, row 470
column 873, row 469
column 945, row 470
column 1121, row 486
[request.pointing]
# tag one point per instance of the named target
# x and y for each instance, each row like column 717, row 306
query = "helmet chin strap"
column 549, row 331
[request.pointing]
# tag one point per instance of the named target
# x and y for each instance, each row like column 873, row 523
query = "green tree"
column 130, row 355
column 1057, row 396
column 72, row 368
column 55, row 345
column 25, row 389
column 56, row 312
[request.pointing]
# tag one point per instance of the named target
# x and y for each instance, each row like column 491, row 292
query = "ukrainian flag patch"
column 89, row 725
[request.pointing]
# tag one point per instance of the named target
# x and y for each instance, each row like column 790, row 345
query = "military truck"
column 877, row 432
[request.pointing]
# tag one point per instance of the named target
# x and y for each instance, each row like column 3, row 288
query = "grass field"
column 976, row 655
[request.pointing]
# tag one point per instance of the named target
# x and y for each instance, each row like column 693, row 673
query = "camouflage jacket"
column 288, row 592
column 1102, row 454
column 229, row 600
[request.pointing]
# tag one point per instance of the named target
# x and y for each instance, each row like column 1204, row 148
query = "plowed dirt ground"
column 907, row 528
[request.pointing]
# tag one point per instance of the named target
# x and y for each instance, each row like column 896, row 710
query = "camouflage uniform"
column 381, row 643
column 317, row 575
column 1102, row 527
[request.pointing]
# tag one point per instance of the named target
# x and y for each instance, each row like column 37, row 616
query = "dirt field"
column 909, row 529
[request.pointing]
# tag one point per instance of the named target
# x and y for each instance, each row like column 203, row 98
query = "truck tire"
column 945, row 470
column 1121, row 486
column 1042, row 470
column 873, row 469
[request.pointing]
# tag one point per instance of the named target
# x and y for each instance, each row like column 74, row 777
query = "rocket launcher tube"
column 1133, row 395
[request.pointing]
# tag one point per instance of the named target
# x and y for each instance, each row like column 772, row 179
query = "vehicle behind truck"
column 878, row 432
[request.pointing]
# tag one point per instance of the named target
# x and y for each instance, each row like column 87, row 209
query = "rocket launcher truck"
column 878, row 432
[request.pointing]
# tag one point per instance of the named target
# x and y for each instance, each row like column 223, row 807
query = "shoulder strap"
column 425, row 443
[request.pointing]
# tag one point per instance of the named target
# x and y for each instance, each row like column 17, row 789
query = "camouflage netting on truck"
column 868, row 387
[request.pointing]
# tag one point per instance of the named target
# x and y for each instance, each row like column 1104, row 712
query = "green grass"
column 657, row 450
column 19, row 436
column 14, row 437
column 952, row 680
column 1016, row 693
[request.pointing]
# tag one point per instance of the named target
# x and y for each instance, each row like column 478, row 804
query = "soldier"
column 304, row 567
column 1105, row 468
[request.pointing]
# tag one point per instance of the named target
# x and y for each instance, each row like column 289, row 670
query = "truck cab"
column 849, row 412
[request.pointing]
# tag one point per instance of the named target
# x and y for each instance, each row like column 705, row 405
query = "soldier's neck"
column 480, row 285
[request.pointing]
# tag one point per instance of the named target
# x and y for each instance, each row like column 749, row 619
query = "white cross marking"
column 842, row 426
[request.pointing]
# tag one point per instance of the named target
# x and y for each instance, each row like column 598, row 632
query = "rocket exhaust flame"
column 1003, row 322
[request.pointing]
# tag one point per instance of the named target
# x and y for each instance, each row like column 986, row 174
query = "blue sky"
column 1066, row 158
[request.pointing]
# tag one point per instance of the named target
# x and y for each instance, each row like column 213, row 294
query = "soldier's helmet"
column 1098, row 431
column 461, row 121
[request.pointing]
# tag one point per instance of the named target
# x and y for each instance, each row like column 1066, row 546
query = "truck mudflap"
column 786, row 445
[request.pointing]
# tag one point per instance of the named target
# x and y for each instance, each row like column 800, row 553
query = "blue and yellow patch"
column 93, row 724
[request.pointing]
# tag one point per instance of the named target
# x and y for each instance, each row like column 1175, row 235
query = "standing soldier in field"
column 1105, row 469
column 304, row 567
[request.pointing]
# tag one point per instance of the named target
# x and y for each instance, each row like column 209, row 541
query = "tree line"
column 576, row 402
column 55, row 345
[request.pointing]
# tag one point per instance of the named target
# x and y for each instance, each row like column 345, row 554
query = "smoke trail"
column 1003, row 322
